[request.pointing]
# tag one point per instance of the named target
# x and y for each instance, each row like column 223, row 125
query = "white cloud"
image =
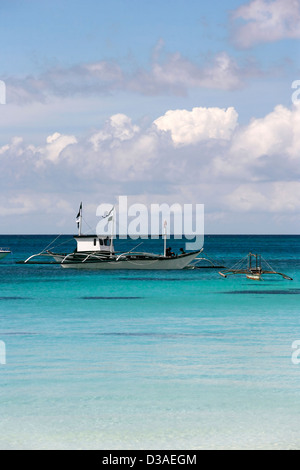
column 26, row 203
column 117, row 129
column 276, row 133
column 267, row 135
column 56, row 143
column 15, row 145
column 181, row 145
column 179, row 74
column 266, row 21
column 200, row 124
column 277, row 197
column 165, row 74
column 200, row 156
column 266, row 149
column 17, row 205
column 83, row 79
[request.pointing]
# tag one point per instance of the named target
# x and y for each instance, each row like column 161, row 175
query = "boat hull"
column 131, row 263
column 254, row 277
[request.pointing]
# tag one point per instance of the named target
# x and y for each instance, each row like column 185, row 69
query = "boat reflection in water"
column 4, row 252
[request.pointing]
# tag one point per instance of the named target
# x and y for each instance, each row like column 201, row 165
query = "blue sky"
column 73, row 31
column 166, row 101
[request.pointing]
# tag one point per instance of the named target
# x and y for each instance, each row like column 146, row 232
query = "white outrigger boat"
column 252, row 267
column 4, row 252
column 97, row 253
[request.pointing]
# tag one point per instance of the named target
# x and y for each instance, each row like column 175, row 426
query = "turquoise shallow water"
column 150, row 360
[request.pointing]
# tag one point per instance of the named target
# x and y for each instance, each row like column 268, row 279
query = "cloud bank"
column 262, row 21
column 200, row 124
column 201, row 155
column 167, row 74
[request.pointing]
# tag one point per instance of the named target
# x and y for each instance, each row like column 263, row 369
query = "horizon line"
column 148, row 235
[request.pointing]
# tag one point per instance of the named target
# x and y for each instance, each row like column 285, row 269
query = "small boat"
column 254, row 267
column 4, row 252
column 97, row 253
column 254, row 277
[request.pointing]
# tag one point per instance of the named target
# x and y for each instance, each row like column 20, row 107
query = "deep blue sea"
column 150, row 360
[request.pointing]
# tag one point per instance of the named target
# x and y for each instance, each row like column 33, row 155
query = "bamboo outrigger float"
column 254, row 268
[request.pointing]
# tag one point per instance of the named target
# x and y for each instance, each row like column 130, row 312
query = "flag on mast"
column 79, row 215
column 109, row 215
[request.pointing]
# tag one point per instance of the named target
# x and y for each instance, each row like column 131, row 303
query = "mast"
column 165, row 239
column 79, row 220
column 112, row 220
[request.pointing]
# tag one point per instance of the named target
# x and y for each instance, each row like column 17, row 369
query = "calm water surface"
column 150, row 360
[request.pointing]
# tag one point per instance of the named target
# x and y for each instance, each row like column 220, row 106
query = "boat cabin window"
column 92, row 243
column 104, row 241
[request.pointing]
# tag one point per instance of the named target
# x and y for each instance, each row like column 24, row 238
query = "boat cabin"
column 93, row 243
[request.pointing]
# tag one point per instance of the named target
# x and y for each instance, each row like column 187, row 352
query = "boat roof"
column 91, row 236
